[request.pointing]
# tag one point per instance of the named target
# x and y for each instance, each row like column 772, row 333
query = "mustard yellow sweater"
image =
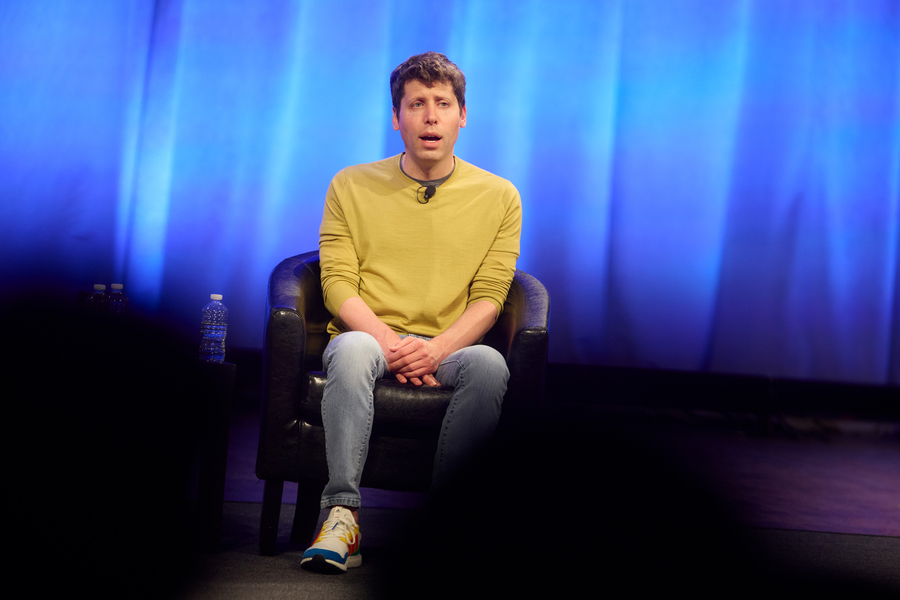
column 417, row 266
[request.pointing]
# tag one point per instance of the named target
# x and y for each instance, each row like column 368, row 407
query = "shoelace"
column 331, row 529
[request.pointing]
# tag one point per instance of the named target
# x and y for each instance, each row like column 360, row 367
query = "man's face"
column 429, row 122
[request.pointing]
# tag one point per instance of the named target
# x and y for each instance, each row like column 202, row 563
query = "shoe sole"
column 319, row 564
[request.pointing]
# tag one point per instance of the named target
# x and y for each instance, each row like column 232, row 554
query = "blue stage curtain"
column 708, row 186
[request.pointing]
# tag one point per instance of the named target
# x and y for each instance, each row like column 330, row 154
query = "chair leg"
column 271, row 512
column 306, row 515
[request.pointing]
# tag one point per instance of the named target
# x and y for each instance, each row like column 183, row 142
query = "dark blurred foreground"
column 562, row 507
column 102, row 431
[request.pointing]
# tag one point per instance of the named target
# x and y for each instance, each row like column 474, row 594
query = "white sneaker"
column 337, row 546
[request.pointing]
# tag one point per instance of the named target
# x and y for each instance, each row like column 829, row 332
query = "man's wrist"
column 440, row 347
column 387, row 340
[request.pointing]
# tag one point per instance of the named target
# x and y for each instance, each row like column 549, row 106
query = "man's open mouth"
column 430, row 138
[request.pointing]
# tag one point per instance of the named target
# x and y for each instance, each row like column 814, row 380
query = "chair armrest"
column 521, row 335
column 295, row 326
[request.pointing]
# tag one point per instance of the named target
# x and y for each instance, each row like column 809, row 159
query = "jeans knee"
column 484, row 369
column 353, row 349
column 487, row 362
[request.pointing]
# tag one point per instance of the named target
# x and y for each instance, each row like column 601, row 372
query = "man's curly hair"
column 430, row 67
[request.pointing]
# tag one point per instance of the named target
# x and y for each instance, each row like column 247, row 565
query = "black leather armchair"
column 407, row 418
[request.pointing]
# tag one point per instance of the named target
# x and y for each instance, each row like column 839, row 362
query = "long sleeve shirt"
column 417, row 266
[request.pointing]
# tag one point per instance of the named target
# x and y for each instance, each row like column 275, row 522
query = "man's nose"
column 430, row 114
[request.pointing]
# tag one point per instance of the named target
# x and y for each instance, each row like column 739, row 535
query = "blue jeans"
column 354, row 361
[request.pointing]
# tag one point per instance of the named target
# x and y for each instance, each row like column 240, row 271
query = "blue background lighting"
column 709, row 186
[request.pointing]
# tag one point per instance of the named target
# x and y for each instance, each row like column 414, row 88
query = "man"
column 417, row 254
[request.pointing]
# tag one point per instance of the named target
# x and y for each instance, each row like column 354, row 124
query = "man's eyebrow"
column 422, row 98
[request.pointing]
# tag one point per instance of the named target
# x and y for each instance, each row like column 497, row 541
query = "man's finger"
column 406, row 362
column 403, row 342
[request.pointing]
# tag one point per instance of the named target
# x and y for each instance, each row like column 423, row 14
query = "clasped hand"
column 414, row 360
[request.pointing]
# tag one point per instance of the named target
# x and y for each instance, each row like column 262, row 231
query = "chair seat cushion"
column 401, row 409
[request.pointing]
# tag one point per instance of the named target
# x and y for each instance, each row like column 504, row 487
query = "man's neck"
column 426, row 172
column 427, row 182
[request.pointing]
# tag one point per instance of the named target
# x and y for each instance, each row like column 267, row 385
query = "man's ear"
column 396, row 119
column 462, row 117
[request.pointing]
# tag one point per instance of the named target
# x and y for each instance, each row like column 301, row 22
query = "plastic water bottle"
column 213, row 326
column 118, row 302
column 98, row 301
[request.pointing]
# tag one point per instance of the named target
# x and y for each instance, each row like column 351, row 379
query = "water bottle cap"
column 116, row 286
column 215, row 296
column 99, row 287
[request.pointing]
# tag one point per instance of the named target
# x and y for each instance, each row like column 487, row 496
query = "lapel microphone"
column 424, row 194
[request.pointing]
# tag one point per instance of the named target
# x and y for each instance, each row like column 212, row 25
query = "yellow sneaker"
column 336, row 547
